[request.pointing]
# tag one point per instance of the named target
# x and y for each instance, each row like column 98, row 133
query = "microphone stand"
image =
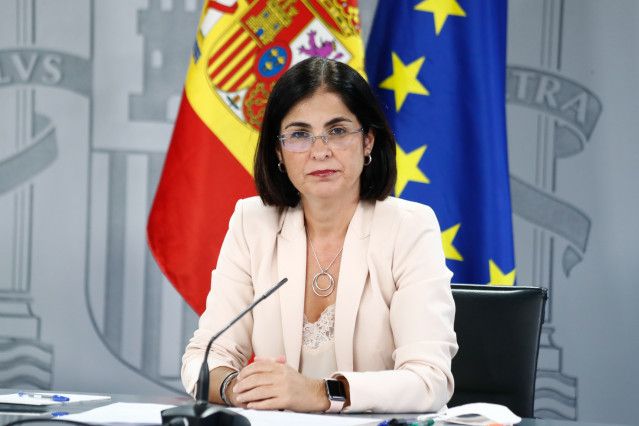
column 203, row 413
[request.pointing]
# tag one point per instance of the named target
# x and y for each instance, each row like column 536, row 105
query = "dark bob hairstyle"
column 301, row 82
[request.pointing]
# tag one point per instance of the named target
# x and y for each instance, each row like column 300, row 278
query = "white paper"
column 122, row 412
column 21, row 413
column 476, row 414
column 14, row 398
column 286, row 418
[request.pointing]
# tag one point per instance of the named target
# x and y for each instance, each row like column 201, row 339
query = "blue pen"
column 55, row 398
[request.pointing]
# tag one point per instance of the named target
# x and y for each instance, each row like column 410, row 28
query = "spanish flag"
column 241, row 49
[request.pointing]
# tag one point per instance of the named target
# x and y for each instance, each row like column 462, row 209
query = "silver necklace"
column 323, row 271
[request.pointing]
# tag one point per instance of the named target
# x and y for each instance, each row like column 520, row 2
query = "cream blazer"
column 394, row 312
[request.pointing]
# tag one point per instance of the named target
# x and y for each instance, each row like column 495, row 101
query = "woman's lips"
column 322, row 173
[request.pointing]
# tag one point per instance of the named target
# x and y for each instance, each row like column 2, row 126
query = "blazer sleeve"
column 422, row 313
column 231, row 292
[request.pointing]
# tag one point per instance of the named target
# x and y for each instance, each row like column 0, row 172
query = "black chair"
column 498, row 330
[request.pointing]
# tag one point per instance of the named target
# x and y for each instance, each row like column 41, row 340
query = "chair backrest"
column 498, row 330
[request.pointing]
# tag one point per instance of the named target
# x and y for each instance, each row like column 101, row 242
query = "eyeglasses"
column 301, row 140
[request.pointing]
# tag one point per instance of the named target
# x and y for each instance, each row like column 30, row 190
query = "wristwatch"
column 336, row 394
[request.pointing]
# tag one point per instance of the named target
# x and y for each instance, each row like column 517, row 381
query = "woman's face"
column 325, row 171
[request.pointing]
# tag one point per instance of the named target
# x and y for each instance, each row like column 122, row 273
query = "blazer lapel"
column 352, row 278
column 291, row 264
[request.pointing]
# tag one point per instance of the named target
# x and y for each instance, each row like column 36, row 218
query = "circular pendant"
column 317, row 288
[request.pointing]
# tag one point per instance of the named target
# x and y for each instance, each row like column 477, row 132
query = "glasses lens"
column 340, row 137
column 297, row 141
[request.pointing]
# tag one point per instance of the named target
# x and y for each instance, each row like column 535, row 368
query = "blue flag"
column 439, row 67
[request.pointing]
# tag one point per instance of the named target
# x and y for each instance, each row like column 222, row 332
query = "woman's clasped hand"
column 270, row 384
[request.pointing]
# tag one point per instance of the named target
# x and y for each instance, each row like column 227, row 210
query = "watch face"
column 335, row 390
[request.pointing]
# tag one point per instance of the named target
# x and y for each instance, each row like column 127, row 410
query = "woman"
column 368, row 304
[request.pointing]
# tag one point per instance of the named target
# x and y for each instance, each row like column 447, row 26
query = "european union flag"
column 439, row 69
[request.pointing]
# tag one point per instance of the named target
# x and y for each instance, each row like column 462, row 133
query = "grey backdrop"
column 88, row 95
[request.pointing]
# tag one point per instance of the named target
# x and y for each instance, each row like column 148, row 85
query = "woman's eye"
column 299, row 135
column 338, row 131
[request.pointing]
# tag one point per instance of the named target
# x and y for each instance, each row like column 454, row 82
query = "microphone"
column 202, row 412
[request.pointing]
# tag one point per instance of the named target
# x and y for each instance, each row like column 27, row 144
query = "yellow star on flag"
column 497, row 277
column 408, row 168
column 404, row 80
column 441, row 9
column 448, row 236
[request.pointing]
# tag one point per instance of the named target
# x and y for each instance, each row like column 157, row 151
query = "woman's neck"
column 328, row 219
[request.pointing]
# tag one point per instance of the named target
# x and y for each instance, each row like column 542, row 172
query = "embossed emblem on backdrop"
column 29, row 148
column 565, row 113
column 134, row 310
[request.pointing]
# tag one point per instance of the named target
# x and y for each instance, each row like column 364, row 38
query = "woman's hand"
column 270, row 384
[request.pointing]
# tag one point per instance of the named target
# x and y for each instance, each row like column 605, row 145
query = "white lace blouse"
column 318, row 346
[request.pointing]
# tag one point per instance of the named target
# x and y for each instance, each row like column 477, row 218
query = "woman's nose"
column 319, row 148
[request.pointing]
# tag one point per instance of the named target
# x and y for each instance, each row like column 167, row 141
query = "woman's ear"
column 369, row 141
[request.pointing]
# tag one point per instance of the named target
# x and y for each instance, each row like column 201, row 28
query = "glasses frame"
column 312, row 138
